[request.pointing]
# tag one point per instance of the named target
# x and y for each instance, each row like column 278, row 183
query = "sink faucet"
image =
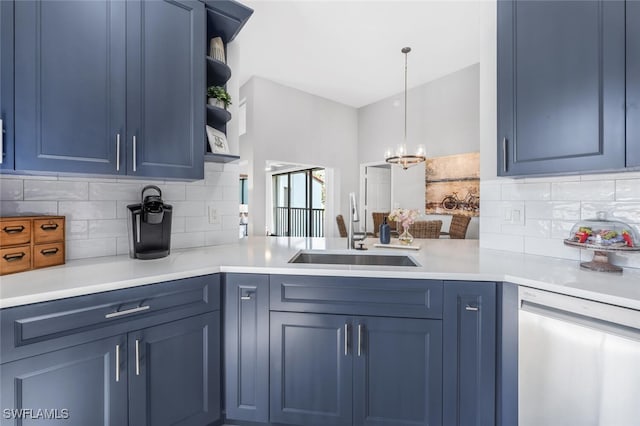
column 354, row 218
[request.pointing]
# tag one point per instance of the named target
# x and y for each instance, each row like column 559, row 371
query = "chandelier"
column 401, row 156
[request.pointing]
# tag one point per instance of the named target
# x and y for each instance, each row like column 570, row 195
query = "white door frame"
column 363, row 188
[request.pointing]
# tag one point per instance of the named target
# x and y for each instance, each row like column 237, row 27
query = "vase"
column 405, row 238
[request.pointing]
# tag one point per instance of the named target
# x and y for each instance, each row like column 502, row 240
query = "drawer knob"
column 49, row 252
column 49, row 226
column 12, row 257
column 13, row 229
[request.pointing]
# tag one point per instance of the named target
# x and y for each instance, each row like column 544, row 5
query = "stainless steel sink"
column 353, row 259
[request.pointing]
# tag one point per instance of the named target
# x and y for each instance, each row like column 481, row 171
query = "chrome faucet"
column 354, row 217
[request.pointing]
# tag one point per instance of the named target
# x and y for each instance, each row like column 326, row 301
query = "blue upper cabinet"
column 561, row 86
column 166, row 88
column 6, row 84
column 120, row 91
column 70, row 86
column 633, row 84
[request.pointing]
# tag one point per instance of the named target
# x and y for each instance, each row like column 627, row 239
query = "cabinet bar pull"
column 13, row 229
column 49, row 252
column 1, row 141
column 137, row 357
column 360, row 327
column 127, row 312
column 49, row 226
column 12, row 257
column 504, row 155
column 118, row 152
column 346, row 339
column 134, row 153
column 248, row 297
column 117, row 363
column 471, row 308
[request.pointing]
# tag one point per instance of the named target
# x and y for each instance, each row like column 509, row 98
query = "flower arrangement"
column 406, row 217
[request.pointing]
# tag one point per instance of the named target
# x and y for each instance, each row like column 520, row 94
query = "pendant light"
column 401, row 156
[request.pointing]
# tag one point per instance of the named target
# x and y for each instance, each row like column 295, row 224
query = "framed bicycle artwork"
column 453, row 184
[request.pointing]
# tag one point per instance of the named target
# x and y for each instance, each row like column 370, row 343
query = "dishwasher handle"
column 598, row 315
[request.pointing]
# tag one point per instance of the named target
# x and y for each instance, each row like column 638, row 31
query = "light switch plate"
column 513, row 212
column 214, row 218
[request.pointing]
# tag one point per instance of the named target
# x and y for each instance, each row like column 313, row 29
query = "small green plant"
column 219, row 92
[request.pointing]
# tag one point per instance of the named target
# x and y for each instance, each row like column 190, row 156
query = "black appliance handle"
column 145, row 189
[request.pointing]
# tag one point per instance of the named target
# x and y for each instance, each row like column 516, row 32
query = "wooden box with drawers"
column 31, row 242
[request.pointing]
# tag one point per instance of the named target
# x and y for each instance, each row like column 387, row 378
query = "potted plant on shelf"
column 218, row 97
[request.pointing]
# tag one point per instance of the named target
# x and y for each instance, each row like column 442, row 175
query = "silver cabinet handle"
column 118, row 152
column 137, row 357
column 247, row 297
column 346, row 339
column 127, row 312
column 1, row 141
column 117, row 363
column 134, row 153
column 360, row 327
column 504, row 155
column 471, row 308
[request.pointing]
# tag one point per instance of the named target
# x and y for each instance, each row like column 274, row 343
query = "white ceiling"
column 349, row 51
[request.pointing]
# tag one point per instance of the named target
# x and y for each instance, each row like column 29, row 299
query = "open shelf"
column 218, row 73
column 210, row 157
column 227, row 18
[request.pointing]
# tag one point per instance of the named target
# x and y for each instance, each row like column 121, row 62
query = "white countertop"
column 439, row 259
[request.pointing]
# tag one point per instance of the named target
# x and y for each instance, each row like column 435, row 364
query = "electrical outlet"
column 214, row 218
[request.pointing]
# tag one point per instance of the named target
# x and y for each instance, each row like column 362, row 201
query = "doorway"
column 375, row 193
column 299, row 203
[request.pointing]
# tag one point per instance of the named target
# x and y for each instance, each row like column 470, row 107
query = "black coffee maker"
column 149, row 226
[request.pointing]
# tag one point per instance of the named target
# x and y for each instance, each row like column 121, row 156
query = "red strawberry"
column 627, row 238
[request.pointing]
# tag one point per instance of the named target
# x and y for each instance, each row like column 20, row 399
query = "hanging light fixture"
column 401, row 156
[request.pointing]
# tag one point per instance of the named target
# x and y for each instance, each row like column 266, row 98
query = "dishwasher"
column 578, row 361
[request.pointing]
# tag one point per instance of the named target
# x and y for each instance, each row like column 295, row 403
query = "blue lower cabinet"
column 246, row 347
column 469, row 347
column 81, row 385
column 174, row 373
column 311, row 369
column 397, row 372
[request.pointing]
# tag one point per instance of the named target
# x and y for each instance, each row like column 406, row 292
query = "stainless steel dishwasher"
column 579, row 362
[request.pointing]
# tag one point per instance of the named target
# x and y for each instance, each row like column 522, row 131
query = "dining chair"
column 458, row 227
column 426, row 229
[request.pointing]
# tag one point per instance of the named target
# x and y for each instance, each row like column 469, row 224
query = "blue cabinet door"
column 6, row 85
column 166, row 88
column 87, row 382
column 397, row 372
column 311, row 369
column 633, row 83
column 246, row 347
column 469, row 347
column 561, row 86
column 174, row 373
column 70, row 86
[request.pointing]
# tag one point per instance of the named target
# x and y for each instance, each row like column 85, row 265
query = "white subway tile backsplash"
column 490, row 191
column 114, row 191
column 221, row 237
column 628, row 190
column 550, row 247
column 78, row 210
column 561, row 229
column 624, row 211
column 189, row 208
column 581, row 191
column 491, row 208
column 13, row 208
column 55, row 190
column 122, row 246
column 490, row 224
column 205, row 193
column 187, row 240
column 230, row 221
column 77, row 229
column 11, row 189
column 200, row 223
column 107, row 228
column 611, row 176
column 526, row 191
column 532, row 228
column 564, row 210
column 502, row 242
column 95, row 247
column 231, row 193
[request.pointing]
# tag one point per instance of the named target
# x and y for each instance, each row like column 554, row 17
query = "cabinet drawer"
column 48, row 230
column 48, row 255
column 14, row 232
column 41, row 327
column 15, row 259
column 357, row 296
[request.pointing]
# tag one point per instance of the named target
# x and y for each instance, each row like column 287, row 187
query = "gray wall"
column 291, row 126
